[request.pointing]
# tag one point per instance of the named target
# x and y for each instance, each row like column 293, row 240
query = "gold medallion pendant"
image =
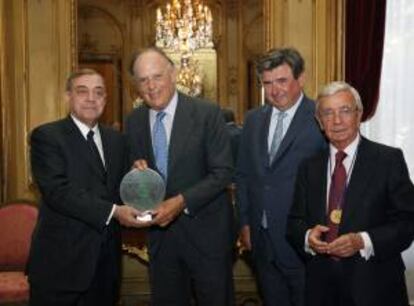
column 336, row 216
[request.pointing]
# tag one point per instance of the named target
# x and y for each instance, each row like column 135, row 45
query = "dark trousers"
column 103, row 290
column 278, row 285
column 178, row 269
column 327, row 285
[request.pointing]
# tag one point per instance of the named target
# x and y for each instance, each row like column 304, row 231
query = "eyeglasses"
column 84, row 92
column 343, row 113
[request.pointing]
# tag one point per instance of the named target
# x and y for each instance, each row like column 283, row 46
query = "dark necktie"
column 94, row 149
column 336, row 196
column 160, row 145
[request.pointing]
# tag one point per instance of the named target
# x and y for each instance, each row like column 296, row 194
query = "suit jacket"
column 379, row 200
column 261, row 186
column 199, row 167
column 234, row 131
column 77, row 198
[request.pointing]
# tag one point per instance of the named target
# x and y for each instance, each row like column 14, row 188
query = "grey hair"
column 276, row 57
column 333, row 88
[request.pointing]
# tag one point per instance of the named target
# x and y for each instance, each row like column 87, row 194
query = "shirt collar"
column 170, row 109
column 84, row 129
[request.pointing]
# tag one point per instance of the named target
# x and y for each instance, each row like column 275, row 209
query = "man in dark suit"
column 78, row 165
column 352, row 214
column 234, row 131
column 275, row 139
column 190, row 237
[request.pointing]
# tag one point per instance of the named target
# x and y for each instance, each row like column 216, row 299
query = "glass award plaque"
column 143, row 190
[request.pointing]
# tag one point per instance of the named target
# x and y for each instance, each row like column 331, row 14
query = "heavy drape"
column 364, row 39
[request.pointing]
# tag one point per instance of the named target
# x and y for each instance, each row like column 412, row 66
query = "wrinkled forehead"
column 150, row 63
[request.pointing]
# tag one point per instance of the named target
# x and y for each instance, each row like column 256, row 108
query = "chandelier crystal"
column 184, row 27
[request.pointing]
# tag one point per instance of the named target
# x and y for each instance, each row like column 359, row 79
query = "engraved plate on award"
column 143, row 190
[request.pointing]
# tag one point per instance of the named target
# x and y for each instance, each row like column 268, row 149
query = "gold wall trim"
column 39, row 56
column 2, row 96
column 315, row 28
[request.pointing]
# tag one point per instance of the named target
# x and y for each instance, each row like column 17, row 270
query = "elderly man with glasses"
column 352, row 214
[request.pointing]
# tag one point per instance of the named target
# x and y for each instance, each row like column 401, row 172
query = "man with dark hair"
column 78, row 165
column 352, row 213
column 275, row 139
column 184, row 139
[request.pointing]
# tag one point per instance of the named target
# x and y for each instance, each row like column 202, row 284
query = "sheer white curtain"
column 393, row 123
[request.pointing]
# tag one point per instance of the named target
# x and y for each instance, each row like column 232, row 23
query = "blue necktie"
column 160, row 146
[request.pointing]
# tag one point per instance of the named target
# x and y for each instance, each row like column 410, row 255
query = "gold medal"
column 336, row 216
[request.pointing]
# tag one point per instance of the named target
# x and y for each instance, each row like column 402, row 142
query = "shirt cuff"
column 368, row 249
column 306, row 246
column 111, row 214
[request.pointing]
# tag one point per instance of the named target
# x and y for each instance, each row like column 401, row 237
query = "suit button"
column 266, row 187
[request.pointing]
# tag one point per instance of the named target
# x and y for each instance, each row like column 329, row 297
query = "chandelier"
column 184, row 27
column 189, row 79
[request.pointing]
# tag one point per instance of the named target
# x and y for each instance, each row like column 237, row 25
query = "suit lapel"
column 364, row 165
column 107, row 149
column 141, row 131
column 78, row 141
column 145, row 133
column 296, row 125
column 320, row 171
column 264, row 122
column 181, row 129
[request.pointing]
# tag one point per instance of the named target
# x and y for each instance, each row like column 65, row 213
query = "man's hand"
column 314, row 239
column 346, row 245
column 244, row 238
column 168, row 210
column 127, row 216
column 140, row 164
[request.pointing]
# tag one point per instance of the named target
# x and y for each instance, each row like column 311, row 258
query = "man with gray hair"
column 352, row 214
column 275, row 139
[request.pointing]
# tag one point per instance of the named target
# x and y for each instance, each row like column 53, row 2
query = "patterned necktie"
column 160, row 147
column 94, row 149
column 277, row 136
column 336, row 196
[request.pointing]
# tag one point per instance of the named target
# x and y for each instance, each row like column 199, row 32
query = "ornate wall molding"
column 39, row 54
column 88, row 42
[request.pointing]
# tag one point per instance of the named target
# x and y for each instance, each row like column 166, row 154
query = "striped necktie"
column 160, row 146
column 277, row 137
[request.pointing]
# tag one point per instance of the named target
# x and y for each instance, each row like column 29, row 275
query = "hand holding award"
column 143, row 190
